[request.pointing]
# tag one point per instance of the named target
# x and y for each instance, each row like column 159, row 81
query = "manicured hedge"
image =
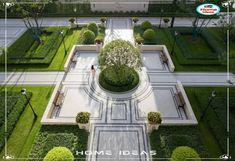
column 123, row 80
column 59, row 154
column 183, row 153
column 15, row 106
column 52, row 136
column 167, row 138
column 93, row 27
column 28, row 52
column 149, row 36
column 88, row 37
column 146, row 25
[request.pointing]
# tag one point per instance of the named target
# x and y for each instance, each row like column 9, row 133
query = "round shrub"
column 149, row 35
column 154, row 118
column 146, row 25
column 88, row 37
column 83, row 117
column 121, row 80
column 182, row 153
column 93, row 27
column 59, row 154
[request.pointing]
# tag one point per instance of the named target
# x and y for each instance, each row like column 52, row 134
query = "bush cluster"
column 52, row 136
column 93, row 27
column 146, row 25
column 59, row 154
column 182, row 153
column 120, row 80
column 16, row 105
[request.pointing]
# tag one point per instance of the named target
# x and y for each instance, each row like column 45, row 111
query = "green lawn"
column 198, row 49
column 213, row 126
column 23, row 135
column 72, row 37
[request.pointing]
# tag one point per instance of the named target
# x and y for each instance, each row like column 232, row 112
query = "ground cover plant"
column 28, row 51
column 16, row 104
column 167, row 138
column 206, row 53
column 21, row 139
column 216, row 115
column 51, row 136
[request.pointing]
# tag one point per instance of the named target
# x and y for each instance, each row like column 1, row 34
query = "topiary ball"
column 88, row 37
column 93, row 27
column 182, row 153
column 59, row 154
column 146, row 25
column 149, row 35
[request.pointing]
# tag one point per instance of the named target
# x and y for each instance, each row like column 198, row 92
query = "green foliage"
column 26, row 50
column 166, row 139
column 183, row 153
column 59, row 154
column 114, row 47
column 99, row 39
column 83, row 117
column 88, row 37
column 16, row 103
column 146, row 25
column 149, row 35
column 93, row 27
column 121, row 80
column 154, row 118
column 139, row 39
column 52, row 136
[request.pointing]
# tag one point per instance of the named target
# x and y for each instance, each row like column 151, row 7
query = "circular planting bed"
column 119, row 80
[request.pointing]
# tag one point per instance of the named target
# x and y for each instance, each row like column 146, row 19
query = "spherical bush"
column 88, row 37
column 182, row 153
column 93, row 27
column 149, row 35
column 59, row 154
column 146, row 25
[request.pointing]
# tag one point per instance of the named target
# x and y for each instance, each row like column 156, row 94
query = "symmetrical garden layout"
column 118, row 121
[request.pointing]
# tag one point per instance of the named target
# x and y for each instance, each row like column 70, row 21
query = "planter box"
column 84, row 126
column 151, row 127
column 73, row 25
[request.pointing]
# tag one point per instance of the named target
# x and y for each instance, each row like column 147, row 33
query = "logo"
column 208, row 9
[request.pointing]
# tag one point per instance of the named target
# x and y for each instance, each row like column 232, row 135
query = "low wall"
column 164, row 50
column 77, row 48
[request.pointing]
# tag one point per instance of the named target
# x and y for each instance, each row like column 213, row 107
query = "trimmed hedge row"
column 166, row 139
column 189, row 54
column 125, row 80
column 15, row 110
column 26, row 51
column 52, row 136
column 216, row 116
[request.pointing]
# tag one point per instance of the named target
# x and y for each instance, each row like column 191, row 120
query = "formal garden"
column 49, row 48
column 200, row 50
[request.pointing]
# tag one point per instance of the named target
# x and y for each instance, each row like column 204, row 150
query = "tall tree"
column 31, row 13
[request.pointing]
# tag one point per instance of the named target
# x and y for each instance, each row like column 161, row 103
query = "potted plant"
column 72, row 24
column 154, row 120
column 99, row 40
column 166, row 20
column 103, row 20
column 139, row 40
column 82, row 119
column 135, row 19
